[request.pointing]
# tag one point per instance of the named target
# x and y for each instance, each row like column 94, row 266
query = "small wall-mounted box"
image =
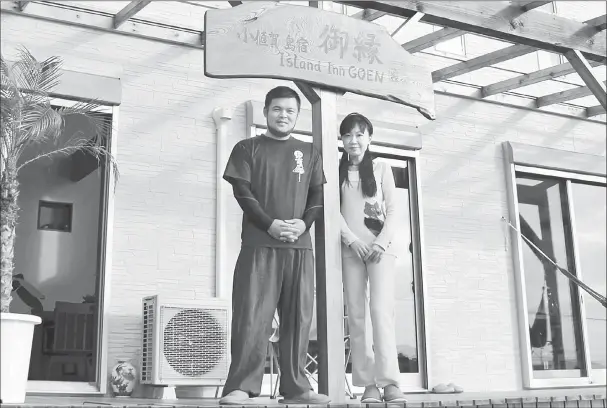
column 55, row 216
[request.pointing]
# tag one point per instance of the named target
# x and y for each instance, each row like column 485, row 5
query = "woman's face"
column 356, row 142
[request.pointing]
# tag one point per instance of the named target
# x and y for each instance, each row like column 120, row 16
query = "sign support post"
column 329, row 293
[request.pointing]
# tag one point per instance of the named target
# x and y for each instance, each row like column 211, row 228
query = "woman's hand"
column 375, row 254
column 360, row 248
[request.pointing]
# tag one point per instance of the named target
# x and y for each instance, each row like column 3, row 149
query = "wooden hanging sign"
column 323, row 48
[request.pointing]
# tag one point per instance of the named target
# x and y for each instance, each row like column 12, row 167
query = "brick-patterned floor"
column 564, row 398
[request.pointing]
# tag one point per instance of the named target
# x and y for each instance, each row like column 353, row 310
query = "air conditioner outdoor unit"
column 185, row 344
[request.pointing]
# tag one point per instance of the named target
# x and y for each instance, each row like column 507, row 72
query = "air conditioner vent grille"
column 195, row 341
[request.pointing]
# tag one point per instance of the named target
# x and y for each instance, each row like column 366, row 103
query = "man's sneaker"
column 371, row 395
column 308, row 398
column 393, row 394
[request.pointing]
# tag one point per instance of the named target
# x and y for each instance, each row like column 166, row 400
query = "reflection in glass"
column 590, row 233
column 554, row 315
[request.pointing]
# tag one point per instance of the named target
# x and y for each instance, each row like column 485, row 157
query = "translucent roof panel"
column 580, row 10
column 182, row 14
column 189, row 15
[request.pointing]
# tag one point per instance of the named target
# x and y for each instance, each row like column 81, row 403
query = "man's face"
column 281, row 116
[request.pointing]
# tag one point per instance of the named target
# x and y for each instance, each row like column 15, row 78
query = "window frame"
column 515, row 154
column 106, row 240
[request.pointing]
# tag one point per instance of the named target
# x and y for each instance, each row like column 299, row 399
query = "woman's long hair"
column 365, row 168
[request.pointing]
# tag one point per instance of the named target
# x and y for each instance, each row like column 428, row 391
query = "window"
column 560, row 215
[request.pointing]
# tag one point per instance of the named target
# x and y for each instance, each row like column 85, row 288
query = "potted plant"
column 29, row 119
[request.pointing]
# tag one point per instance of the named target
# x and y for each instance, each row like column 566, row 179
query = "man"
column 277, row 181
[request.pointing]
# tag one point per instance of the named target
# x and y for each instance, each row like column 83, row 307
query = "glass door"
column 410, row 339
column 409, row 326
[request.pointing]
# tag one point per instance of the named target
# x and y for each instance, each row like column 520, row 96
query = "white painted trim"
column 67, row 103
column 108, row 247
column 222, row 118
column 418, row 202
column 560, row 174
column 578, row 272
column 560, row 383
column 548, row 158
column 69, row 388
column 517, row 249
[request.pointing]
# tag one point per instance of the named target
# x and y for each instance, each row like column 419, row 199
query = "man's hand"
column 295, row 229
column 375, row 254
column 360, row 248
column 277, row 229
column 283, row 231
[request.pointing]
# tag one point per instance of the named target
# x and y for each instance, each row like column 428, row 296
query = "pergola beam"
column 408, row 23
column 482, row 61
column 563, row 96
column 577, row 60
column 430, row 40
column 594, row 111
column 129, row 11
column 368, row 14
column 22, row 4
column 530, row 79
column 600, row 22
column 503, row 21
column 530, row 5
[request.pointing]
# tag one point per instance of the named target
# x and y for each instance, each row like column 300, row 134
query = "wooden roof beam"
column 530, row 79
column 22, row 4
column 129, row 11
column 530, row 5
column 430, row 40
column 600, row 22
column 408, row 23
column 563, row 96
column 577, row 60
column 594, row 111
column 482, row 61
column 503, row 21
column 368, row 14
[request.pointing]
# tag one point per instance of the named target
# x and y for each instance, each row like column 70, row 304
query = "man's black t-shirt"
column 280, row 173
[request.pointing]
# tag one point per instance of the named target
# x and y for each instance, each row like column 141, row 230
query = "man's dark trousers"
column 266, row 278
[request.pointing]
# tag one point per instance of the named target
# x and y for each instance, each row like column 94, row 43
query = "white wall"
column 164, row 222
column 61, row 265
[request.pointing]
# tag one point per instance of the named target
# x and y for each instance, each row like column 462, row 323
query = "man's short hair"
column 282, row 92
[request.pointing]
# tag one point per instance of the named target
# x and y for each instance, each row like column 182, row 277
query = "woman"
column 368, row 224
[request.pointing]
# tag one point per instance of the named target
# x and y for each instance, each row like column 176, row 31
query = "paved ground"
column 562, row 398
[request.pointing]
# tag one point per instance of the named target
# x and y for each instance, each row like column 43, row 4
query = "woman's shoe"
column 393, row 394
column 371, row 395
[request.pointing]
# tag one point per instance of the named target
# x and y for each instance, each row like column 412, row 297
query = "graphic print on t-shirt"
column 374, row 217
column 299, row 168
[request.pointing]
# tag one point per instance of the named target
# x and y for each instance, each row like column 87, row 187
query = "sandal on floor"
column 450, row 388
column 393, row 394
column 371, row 396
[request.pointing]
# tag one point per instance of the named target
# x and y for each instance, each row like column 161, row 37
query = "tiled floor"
column 592, row 397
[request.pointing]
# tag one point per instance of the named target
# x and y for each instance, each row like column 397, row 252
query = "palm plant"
column 29, row 119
